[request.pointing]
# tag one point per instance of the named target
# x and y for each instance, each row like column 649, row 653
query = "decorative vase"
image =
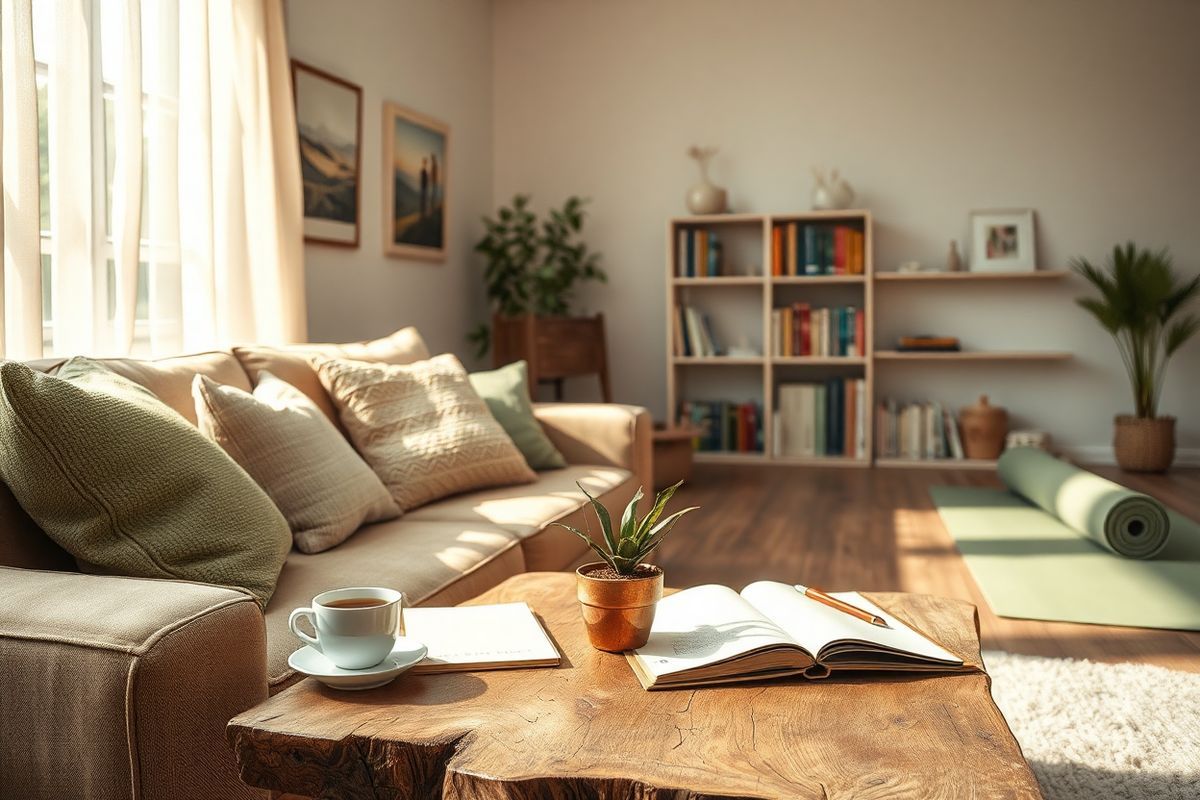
column 832, row 192
column 1144, row 444
column 953, row 259
column 984, row 427
column 618, row 612
column 705, row 197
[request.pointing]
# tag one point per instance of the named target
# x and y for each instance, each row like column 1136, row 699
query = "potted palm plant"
column 532, row 269
column 619, row 594
column 1140, row 304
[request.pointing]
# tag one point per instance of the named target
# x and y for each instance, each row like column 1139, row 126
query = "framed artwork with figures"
column 329, row 122
column 415, row 183
column 1002, row 240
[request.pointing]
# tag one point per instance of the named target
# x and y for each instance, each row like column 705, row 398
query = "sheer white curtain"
column 152, row 196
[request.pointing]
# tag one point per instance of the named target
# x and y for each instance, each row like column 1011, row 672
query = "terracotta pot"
column 618, row 612
column 984, row 427
column 1144, row 445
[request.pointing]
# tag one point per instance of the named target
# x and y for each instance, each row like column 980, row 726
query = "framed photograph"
column 415, row 181
column 329, row 118
column 1002, row 240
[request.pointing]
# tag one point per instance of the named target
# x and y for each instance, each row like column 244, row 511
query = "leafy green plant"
column 1140, row 298
column 629, row 546
column 532, row 267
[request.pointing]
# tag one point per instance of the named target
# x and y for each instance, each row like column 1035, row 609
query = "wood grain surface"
column 587, row 729
column 878, row 529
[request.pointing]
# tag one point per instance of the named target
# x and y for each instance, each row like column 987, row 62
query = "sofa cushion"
column 418, row 558
column 170, row 379
column 526, row 510
column 506, row 392
column 422, row 428
column 291, row 362
column 307, row 468
column 128, row 487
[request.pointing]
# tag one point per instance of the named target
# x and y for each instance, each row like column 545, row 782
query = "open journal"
column 711, row 634
column 467, row 638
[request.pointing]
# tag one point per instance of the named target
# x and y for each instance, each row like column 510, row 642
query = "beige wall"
column 1085, row 111
column 435, row 57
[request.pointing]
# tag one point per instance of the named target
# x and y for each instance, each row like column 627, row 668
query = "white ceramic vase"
column 706, row 198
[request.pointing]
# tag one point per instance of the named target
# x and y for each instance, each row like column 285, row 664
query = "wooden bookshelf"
column 968, row 277
column 819, row 290
column 752, row 284
column 973, row 355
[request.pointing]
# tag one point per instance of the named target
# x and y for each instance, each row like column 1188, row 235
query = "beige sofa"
column 115, row 687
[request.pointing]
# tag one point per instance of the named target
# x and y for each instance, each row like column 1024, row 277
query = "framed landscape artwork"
column 415, row 161
column 329, row 118
column 1002, row 241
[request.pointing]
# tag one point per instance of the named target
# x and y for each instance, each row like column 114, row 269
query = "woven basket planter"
column 1144, row 445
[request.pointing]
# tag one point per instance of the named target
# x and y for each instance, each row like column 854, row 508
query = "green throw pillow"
column 128, row 486
column 506, row 392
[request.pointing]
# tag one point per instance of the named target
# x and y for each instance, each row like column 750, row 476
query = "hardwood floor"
column 877, row 529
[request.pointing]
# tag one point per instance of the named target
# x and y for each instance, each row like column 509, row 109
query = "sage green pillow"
column 128, row 486
column 506, row 392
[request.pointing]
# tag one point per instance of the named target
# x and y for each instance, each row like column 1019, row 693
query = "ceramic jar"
column 984, row 427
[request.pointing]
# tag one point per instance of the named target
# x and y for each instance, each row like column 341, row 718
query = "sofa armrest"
column 602, row 433
column 121, row 687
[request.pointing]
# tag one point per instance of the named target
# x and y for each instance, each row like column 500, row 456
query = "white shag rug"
column 1095, row 731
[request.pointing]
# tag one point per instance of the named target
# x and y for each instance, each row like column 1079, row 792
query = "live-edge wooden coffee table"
column 588, row 729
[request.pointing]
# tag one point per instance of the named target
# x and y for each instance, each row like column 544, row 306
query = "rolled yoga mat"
column 1029, row 563
column 1128, row 523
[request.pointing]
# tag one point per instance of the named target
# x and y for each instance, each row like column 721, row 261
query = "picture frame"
column 329, row 127
column 1003, row 240
column 416, row 152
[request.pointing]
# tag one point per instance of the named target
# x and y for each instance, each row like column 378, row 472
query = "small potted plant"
column 1139, row 304
column 619, row 593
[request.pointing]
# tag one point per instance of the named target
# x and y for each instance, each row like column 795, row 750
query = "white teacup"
column 352, row 635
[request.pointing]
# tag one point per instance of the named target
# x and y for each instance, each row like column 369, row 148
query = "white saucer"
column 313, row 663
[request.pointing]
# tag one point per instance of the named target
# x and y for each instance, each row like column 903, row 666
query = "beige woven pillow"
column 291, row 449
column 422, row 428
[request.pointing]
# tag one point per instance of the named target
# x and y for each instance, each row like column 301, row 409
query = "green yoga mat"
column 1126, row 522
column 1030, row 564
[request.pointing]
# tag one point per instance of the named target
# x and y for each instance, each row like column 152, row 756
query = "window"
column 158, row 313
column 211, row 251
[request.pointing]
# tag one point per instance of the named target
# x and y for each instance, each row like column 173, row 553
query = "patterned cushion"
column 279, row 436
column 422, row 428
column 128, row 486
column 290, row 362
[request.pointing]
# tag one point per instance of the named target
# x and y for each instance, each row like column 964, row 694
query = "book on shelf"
column 724, row 426
column 813, row 248
column 468, row 638
column 917, row 431
column 712, row 635
column 699, row 253
column 693, row 334
column 821, row 419
column 802, row 331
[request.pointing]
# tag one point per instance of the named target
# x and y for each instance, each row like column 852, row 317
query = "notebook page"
column 815, row 625
column 704, row 625
column 502, row 633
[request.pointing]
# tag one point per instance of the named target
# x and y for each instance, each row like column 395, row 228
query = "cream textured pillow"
column 422, row 428
column 280, row 437
column 128, row 486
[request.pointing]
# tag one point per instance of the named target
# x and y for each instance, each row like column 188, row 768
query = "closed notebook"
column 468, row 638
column 712, row 634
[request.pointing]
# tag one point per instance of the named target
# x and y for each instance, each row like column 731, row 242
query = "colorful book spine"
column 777, row 250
